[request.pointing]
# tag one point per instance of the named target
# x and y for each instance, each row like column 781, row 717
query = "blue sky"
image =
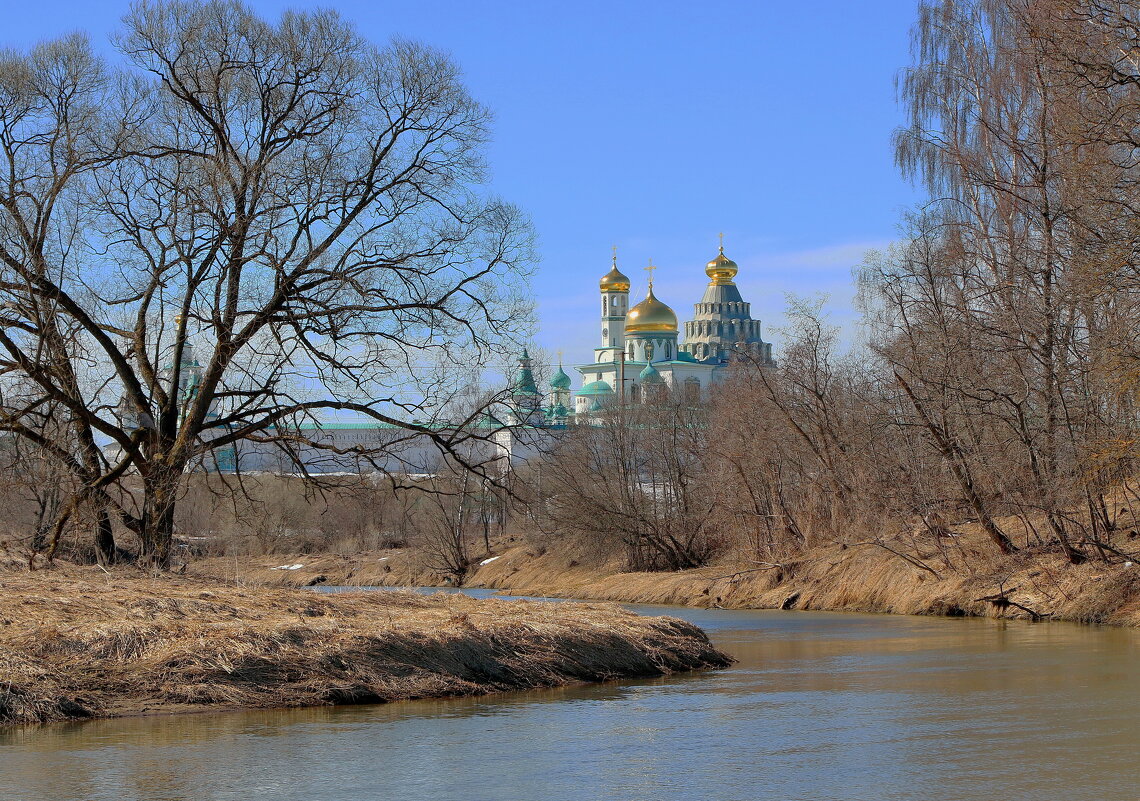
column 655, row 125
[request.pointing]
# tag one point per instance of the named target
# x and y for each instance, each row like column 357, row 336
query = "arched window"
column 631, row 351
column 605, row 307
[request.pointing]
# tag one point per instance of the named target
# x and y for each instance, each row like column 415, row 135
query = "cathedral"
column 642, row 355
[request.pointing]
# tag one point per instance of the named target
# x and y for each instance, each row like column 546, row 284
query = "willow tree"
column 293, row 208
column 991, row 317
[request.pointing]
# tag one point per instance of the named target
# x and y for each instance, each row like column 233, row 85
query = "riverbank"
column 80, row 643
column 865, row 577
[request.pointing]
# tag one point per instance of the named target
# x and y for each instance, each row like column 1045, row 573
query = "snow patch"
column 287, row 567
column 489, row 561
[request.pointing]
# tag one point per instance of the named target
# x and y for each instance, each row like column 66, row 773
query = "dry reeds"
column 72, row 647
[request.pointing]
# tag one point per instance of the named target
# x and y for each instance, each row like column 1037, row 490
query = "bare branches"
column 262, row 221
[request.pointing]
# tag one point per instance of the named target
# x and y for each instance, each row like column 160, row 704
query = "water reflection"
column 819, row 706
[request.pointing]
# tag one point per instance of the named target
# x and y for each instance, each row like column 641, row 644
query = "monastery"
column 640, row 355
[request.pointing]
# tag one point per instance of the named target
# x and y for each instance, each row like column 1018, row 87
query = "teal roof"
column 650, row 375
column 560, row 380
column 489, row 420
column 560, row 411
column 524, row 384
column 308, row 425
column 685, row 356
column 596, row 388
column 596, row 406
column 524, row 380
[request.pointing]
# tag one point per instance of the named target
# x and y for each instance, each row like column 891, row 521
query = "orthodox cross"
column 721, row 235
column 650, row 270
column 615, row 255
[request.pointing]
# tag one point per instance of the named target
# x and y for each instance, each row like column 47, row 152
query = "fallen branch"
column 1002, row 601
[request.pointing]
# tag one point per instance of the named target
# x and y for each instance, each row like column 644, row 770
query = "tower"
column 614, row 288
column 722, row 322
column 559, row 410
column 524, row 394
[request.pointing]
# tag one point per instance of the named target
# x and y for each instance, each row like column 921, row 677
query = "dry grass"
column 76, row 643
column 862, row 578
column 393, row 568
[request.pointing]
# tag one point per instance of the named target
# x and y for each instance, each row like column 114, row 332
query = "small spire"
column 721, row 235
column 650, row 270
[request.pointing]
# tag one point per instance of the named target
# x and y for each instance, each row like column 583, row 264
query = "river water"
column 819, row 707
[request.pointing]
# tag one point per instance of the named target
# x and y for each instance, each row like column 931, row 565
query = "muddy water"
column 820, row 707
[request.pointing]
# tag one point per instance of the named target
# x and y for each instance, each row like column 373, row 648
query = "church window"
column 631, row 351
column 605, row 307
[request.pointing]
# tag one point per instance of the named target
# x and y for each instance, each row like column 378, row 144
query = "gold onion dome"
column 614, row 280
column 722, row 269
column 650, row 315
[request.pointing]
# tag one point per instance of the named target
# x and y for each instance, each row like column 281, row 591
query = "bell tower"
column 615, row 305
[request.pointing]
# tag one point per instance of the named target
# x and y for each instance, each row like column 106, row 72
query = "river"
column 819, row 707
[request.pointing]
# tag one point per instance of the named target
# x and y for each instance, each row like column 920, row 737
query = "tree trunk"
column 105, row 550
column 959, row 468
column 156, row 526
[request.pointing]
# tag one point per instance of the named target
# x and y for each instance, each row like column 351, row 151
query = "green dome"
column 560, row 411
column 560, row 380
column 596, row 388
column 650, row 375
column 596, row 406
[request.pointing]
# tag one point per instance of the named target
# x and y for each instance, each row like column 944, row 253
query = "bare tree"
column 260, row 223
column 633, row 474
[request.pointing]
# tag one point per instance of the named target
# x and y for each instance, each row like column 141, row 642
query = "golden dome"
column 722, row 269
column 650, row 315
column 614, row 280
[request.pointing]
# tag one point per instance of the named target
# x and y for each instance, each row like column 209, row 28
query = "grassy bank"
column 858, row 578
column 79, row 643
column 855, row 579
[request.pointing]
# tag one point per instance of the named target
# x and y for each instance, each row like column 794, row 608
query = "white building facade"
column 640, row 347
